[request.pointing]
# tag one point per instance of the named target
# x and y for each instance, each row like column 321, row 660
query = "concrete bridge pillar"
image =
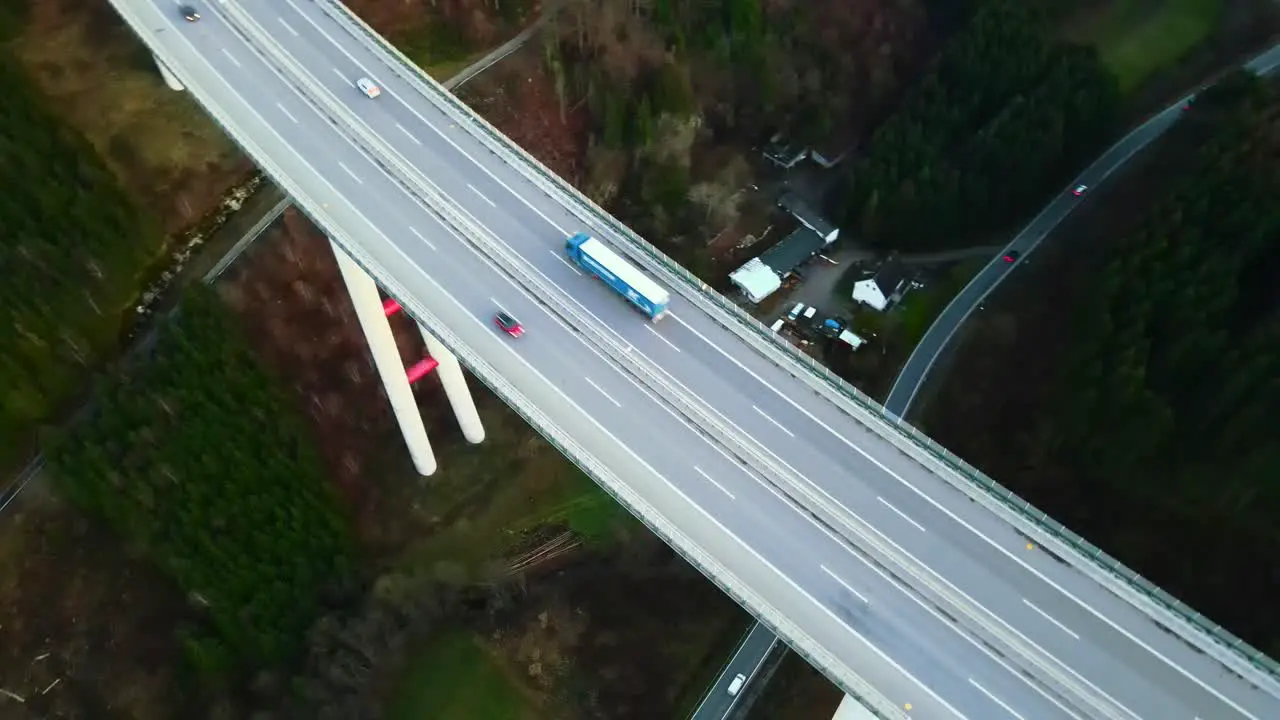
column 169, row 78
column 372, row 315
column 455, row 387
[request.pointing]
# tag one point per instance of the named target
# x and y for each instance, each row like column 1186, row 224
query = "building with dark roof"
column 763, row 275
column 795, row 250
column 801, row 210
column 883, row 288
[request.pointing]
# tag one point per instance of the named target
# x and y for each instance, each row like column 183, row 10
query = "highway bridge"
column 918, row 586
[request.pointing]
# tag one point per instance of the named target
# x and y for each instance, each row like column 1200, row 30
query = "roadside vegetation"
column 1153, row 390
column 72, row 251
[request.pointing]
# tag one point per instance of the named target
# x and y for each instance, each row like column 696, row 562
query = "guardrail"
column 556, row 436
column 1047, row 531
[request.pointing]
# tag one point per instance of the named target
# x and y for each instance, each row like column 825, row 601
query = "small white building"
column 883, row 288
column 756, row 280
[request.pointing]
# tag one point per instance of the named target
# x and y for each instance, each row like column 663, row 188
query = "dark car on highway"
column 508, row 324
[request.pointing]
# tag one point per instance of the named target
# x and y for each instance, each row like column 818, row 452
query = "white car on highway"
column 368, row 87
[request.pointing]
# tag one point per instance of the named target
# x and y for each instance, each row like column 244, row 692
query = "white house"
column 883, row 287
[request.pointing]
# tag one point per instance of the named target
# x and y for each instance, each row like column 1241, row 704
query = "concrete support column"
column 169, row 78
column 367, row 302
column 455, row 387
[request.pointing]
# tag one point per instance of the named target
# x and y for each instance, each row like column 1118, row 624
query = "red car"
column 508, row 324
column 1011, row 256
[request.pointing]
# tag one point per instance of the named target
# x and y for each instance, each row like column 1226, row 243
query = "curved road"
column 881, row 571
column 939, row 334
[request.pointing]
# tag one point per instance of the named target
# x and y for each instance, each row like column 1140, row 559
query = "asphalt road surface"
column 746, row 661
column 939, row 334
column 906, row 584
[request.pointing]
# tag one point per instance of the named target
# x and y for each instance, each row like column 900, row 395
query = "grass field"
column 1137, row 38
column 456, row 678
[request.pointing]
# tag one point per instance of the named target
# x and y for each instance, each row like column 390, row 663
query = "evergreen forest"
column 72, row 249
column 199, row 461
column 1167, row 405
column 1002, row 117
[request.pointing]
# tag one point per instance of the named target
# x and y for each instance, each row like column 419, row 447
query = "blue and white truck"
column 593, row 256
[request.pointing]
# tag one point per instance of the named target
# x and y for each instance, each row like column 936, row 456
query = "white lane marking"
column 566, row 262
column 482, row 196
column 231, row 57
column 659, row 335
column 602, row 392
column 353, row 175
column 1090, row 609
column 713, row 482
column 775, row 422
column 995, row 699
column 1051, row 619
column 409, row 134
column 343, row 76
column 287, row 113
column 420, row 237
column 844, row 584
column 288, row 27
column 901, row 514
